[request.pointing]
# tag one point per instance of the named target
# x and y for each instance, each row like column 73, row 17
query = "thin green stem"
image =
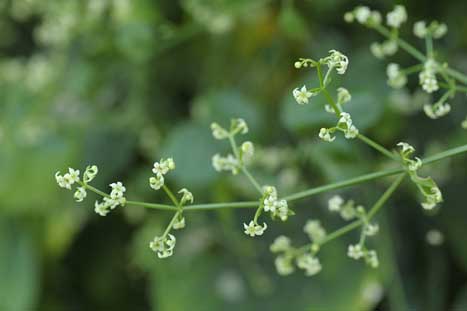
column 332, row 103
column 375, row 208
column 153, row 205
column 378, row 147
column 95, row 190
column 171, row 223
column 457, row 88
column 412, row 69
column 429, row 45
column 172, row 197
column 252, row 179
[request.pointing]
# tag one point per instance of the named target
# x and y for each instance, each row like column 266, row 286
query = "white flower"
column 117, row 190
column 371, row 258
column 163, row 246
column 229, row 163
column 397, row 16
column 352, row 132
column 156, row 182
column 335, row 203
column 284, row 265
column 239, row 126
column 420, row 30
column 179, row 223
column 396, row 78
column 64, row 181
column 325, row 134
column 439, row 30
column 343, row 96
column 163, row 166
column 389, row 47
column 328, row 108
column 310, row 264
column 282, row 210
column 253, row 229
column 337, row 60
column 74, row 175
column 269, row 204
column 80, row 194
column 101, row 208
column 362, row 14
column 349, row 17
column 90, row 173
column 437, row 111
column 302, row 95
column 187, row 196
column 218, row 132
column 315, row 231
column 345, row 121
column 377, row 50
column 427, row 77
column 280, row 244
column 371, row 229
column 355, row 251
column 248, row 150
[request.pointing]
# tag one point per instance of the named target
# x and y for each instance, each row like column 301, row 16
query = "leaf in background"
column 291, row 22
column 19, row 268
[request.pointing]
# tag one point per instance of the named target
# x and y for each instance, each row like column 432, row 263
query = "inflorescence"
column 269, row 202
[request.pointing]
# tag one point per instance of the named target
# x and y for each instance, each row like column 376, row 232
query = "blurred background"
column 121, row 83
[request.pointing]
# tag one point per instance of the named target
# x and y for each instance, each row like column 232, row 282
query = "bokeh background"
column 121, row 83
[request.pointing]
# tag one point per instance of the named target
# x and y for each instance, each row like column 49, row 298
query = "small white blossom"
column 284, row 265
column 377, row 50
column 163, row 166
column 310, row 264
column 302, row 95
column 337, row 60
column 74, row 175
column 229, row 163
column 420, row 30
column 90, row 173
column 355, row 251
column 345, row 124
column 156, row 182
column 427, row 77
column 437, row 111
column 396, row 78
column 64, row 181
column 325, row 134
column 117, row 190
column 179, row 223
column 328, row 108
column 163, row 246
column 335, row 203
column 371, row 229
column 280, row 244
column 352, row 132
column 253, row 229
column 348, row 211
column 343, row 96
column 439, row 30
column 278, row 208
column 362, row 14
column 407, row 149
column 187, row 196
column 80, row 194
column 248, row 151
column 396, row 17
column 315, row 231
column 431, row 199
column 218, row 132
column 101, row 208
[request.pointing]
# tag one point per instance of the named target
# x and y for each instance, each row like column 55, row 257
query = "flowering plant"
column 268, row 201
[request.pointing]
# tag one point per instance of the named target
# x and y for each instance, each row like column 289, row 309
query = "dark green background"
column 126, row 83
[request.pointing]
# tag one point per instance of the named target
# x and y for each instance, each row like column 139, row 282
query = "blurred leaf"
column 19, row 268
column 291, row 22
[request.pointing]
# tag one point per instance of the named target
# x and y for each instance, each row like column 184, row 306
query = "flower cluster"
column 396, row 17
column 232, row 162
column 270, row 203
column 344, row 124
column 427, row 76
column 363, row 15
column 160, row 168
column 348, row 211
column 253, row 229
column 111, row 201
column 69, row 179
column 163, row 245
column 304, row 259
column 426, row 185
column 435, row 30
